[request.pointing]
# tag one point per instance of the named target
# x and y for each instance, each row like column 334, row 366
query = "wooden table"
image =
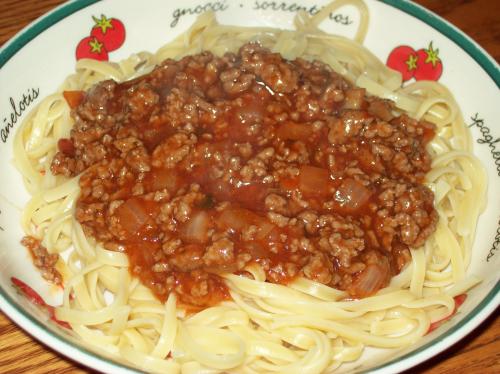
column 478, row 352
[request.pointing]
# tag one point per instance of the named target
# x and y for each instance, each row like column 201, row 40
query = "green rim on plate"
column 39, row 26
column 479, row 55
column 487, row 63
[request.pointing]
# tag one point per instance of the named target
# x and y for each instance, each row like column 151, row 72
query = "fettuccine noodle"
column 305, row 327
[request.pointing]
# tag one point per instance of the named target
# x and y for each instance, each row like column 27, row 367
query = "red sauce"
column 209, row 164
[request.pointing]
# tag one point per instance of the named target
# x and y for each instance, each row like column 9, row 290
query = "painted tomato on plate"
column 429, row 65
column 109, row 31
column 90, row 47
column 423, row 64
column 403, row 59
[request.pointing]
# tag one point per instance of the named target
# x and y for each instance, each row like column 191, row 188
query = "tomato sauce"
column 209, row 164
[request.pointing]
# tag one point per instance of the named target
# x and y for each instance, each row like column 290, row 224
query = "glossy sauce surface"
column 209, row 164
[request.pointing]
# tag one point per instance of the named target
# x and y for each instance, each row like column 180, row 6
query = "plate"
column 59, row 32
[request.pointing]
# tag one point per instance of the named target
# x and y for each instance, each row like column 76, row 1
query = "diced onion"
column 132, row 215
column 371, row 279
column 352, row 195
column 196, row 229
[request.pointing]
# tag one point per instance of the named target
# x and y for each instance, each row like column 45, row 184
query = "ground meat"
column 43, row 260
column 220, row 252
column 316, row 269
column 209, row 164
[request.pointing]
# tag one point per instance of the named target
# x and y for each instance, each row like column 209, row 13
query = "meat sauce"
column 209, row 164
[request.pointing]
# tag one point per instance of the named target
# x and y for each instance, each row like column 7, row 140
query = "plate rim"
column 451, row 32
column 466, row 325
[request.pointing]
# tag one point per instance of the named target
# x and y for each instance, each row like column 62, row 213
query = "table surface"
column 478, row 352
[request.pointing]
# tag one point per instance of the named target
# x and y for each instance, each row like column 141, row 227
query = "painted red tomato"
column 33, row 296
column 429, row 65
column 110, row 31
column 90, row 47
column 459, row 300
column 403, row 59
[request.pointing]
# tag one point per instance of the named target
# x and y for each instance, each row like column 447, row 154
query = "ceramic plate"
column 36, row 61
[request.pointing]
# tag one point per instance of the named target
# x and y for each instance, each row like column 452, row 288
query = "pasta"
column 265, row 327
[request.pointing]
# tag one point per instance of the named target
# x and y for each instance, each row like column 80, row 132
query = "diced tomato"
column 295, row 232
column 429, row 132
column 251, row 195
column 314, row 181
column 294, row 131
column 73, row 98
column 368, row 161
column 289, row 184
column 66, row 146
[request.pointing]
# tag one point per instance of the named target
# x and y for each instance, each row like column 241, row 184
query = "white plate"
column 37, row 60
